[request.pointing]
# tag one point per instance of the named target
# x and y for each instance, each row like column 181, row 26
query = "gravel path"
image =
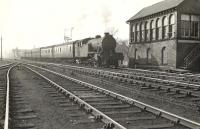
column 2, row 95
column 3, row 62
column 41, row 100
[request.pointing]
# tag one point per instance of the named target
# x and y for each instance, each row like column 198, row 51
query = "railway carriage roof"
column 156, row 8
column 83, row 41
column 35, row 49
column 47, row 47
column 61, row 44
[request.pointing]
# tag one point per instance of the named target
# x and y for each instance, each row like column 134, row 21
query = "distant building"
column 18, row 53
column 166, row 34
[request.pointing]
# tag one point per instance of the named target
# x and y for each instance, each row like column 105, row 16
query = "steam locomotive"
column 98, row 51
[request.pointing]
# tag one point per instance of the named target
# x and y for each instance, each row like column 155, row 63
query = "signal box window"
column 190, row 26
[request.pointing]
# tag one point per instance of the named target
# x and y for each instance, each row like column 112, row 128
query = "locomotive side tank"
column 81, row 48
column 95, row 45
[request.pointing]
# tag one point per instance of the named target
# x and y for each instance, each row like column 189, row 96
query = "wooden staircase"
column 191, row 57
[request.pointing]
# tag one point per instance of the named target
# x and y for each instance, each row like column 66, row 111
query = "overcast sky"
column 35, row 23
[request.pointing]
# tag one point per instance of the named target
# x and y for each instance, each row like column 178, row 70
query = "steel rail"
column 172, row 74
column 158, row 72
column 141, row 70
column 127, row 76
column 106, row 119
column 117, row 74
column 149, row 74
column 170, row 116
column 6, row 122
column 5, row 65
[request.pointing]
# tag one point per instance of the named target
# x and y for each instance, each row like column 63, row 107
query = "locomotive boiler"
column 103, row 50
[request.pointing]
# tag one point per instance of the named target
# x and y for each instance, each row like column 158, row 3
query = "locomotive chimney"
column 106, row 34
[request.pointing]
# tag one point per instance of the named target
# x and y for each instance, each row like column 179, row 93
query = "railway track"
column 115, row 109
column 33, row 103
column 2, row 94
column 190, row 80
column 187, row 93
column 182, row 77
column 4, row 87
column 162, row 74
column 178, row 77
column 140, row 76
column 176, row 103
column 5, row 66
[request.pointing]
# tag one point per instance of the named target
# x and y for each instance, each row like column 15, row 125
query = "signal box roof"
column 156, row 8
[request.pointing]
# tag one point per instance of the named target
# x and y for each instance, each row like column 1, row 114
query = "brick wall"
column 155, row 53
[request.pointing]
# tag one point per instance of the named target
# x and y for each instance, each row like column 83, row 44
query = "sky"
column 27, row 24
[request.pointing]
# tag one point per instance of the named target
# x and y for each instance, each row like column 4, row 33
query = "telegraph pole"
column 71, row 32
column 1, row 49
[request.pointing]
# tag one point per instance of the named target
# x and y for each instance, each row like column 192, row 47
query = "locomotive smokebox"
column 106, row 34
column 108, row 42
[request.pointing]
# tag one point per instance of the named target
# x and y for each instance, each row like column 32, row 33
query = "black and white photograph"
column 99, row 64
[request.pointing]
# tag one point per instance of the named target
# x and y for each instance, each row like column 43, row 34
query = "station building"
column 166, row 34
